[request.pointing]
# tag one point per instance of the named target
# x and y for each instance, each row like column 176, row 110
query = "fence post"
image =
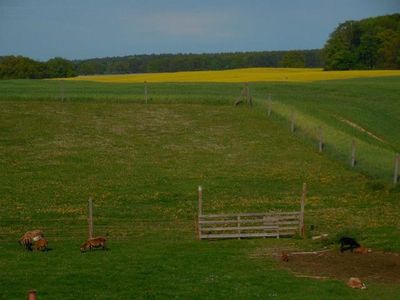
column 200, row 210
column 90, row 217
column 248, row 95
column 396, row 169
column 353, row 154
column 302, row 204
column 269, row 106
column 292, row 126
column 145, row 92
column 62, row 90
column 31, row 295
column 238, row 225
column 240, row 98
column 320, row 140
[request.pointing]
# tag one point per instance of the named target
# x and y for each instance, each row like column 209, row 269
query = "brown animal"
column 361, row 250
column 285, row 257
column 356, row 283
column 30, row 237
column 40, row 245
column 94, row 243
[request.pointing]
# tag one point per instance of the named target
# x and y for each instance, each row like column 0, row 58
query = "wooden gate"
column 250, row 225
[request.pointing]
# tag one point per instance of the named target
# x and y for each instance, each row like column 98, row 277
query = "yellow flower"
column 240, row 75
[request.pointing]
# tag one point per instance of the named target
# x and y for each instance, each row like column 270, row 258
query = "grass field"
column 142, row 165
column 240, row 75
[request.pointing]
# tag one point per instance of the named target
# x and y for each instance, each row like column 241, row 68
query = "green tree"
column 90, row 67
column 12, row 67
column 389, row 50
column 366, row 44
column 59, row 67
column 293, row 59
column 340, row 46
column 368, row 51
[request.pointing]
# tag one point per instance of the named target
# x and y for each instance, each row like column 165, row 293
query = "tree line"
column 372, row 43
column 23, row 67
column 198, row 62
column 12, row 67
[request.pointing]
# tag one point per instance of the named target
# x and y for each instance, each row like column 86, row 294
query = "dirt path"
column 358, row 127
column 376, row 266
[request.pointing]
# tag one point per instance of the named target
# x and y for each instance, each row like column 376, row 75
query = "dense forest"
column 198, row 62
column 372, row 43
column 23, row 67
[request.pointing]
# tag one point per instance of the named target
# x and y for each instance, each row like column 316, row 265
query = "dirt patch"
column 375, row 266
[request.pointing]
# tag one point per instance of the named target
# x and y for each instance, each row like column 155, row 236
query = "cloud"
column 182, row 24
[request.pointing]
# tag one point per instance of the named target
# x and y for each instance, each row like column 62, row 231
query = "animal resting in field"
column 361, row 250
column 347, row 243
column 94, row 243
column 40, row 245
column 356, row 283
column 30, row 237
column 285, row 257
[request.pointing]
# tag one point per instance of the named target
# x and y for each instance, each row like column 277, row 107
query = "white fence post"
column 302, row 205
column 90, row 217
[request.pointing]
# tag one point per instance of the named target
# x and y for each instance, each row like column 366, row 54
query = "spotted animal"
column 30, row 237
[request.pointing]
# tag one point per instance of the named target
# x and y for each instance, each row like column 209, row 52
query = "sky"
column 80, row 29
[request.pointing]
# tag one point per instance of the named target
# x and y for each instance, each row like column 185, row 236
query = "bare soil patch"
column 376, row 266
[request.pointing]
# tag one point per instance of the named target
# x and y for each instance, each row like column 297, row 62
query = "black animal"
column 347, row 243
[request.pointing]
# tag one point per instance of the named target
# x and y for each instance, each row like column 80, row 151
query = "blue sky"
column 77, row 29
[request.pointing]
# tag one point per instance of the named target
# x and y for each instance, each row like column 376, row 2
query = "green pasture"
column 142, row 165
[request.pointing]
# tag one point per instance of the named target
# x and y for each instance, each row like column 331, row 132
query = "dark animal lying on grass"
column 29, row 238
column 285, row 257
column 347, row 243
column 94, row 243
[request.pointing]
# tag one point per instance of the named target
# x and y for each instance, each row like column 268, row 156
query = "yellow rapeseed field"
column 240, row 75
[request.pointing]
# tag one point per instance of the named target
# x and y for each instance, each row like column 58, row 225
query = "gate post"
column 200, row 210
column 302, row 204
column 90, row 217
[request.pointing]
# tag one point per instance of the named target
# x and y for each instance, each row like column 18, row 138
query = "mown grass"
column 340, row 108
column 142, row 165
column 346, row 110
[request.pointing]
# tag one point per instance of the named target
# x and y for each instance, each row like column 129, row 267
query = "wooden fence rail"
column 250, row 225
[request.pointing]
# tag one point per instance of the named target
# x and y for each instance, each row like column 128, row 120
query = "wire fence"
column 58, row 229
column 376, row 159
